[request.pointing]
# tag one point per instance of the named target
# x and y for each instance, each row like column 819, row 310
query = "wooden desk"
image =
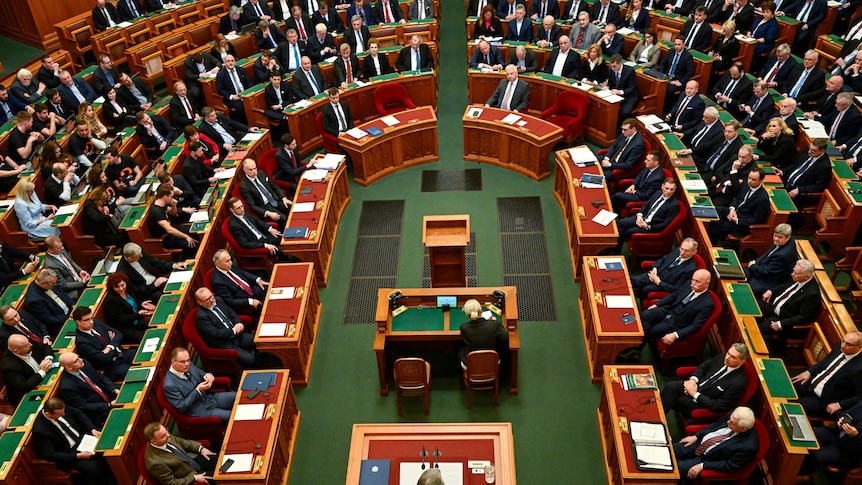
column 295, row 347
column 620, row 466
column 411, row 142
column 275, row 433
column 331, row 197
column 436, row 326
column 586, row 238
column 605, row 335
column 524, row 149
column 459, row 442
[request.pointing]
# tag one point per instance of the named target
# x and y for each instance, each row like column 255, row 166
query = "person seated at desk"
column 687, row 112
column 488, row 25
column 764, row 31
column 810, row 174
column 100, row 221
column 727, row 184
column 677, row 315
column 605, row 12
column 636, row 18
column 475, row 7
column 34, row 217
column 357, row 36
column 523, row 59
column 716, row 384
column 101, row 344
column 645, row 184
column 703, row 138
column 321, row 45
column 19, row 322
column 626, row 152
column 287, row 161
column 792, row 303
column 431, row 476
column 733, row 88
column 264, row 67
column 840, row 445
column 236, row 286
column 156, row 134
column 543, row 8
column 835, row 383
column 230, row 83
column 85, row 388
column 549, row 33
column 520, row 28
column 375, row 63
column 147, row 274
column 197, row 173
column 697, row 31
column 654, row 215
column 826, row 102
column 512, row 93
column 563, row 61
column 777, row 142
column 646, row 52
column 480, row 333
column 751, row 206
column 851, row 153
column 506, row 8
column 583, row 34
column 262, row 195
column 622, row 82
column 771, row 268
column 486, row 56
column 129, row 10
column 678, row 65
column 415, row 57
column 724, row 446
column 123, row 172
column 220, row 328
column 388, row 12
column 10, row 106
column 48, row 302
column 161, row 211
column 806, row 82
column 347, row 69
column 852, row 74
column 171, row 459
column 669, row 273
column 24, row 366
column 126, row 313
column 188, row 389
column 594, row 68
column 10, row 259
column 70, row 276
column 212, row 149
column 266, row 37
column 723, row 155
column 611, row 42
column 59, row 186
column 332, row 21
column 724, row 50
column 842, row 125
column 25, row 89
column 57, row 431
column 421, row 10
column 251, row 232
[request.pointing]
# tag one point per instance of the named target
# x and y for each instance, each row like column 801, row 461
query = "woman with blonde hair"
column 222, row 48
column 594, row 68
column 34, row 217
column 725, row 49
column 777, row 144
column 481, row 332
column 86, row 112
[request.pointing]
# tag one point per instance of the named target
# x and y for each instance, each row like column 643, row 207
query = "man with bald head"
column 415, row 57
column 563, row 61
column 24, row 366
column 220, row 328
column 833, row 385
column 85, row 388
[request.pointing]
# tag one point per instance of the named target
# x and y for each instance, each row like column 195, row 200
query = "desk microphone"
column 607, row 280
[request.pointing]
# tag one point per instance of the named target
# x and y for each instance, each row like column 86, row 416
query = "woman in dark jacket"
column 594, row 68
column 99, row 222
column 777, row 144
column 481, row 333
column 125, row 312
column 488, row 25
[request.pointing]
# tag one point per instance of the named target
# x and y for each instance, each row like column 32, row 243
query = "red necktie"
column 242, row 284
column 188, row 108
column 828, row 372
column 349, row 72
column 387, row 11
column 774, row 72
column 301, row 29
column 701, row 448
column 96, row 388
column 26, row 331
column 100, row 337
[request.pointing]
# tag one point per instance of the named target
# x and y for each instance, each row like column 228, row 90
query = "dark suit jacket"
column 125, row 12
column 583, row 6
column 100, row 23
column 11, row 258
column 719, row 394
column 691, row 115
column 816, row 14
column 192, row 73
column 137, row 285
column 245, row 237
column 368, row 12
column 330, row 119
column 772, row 268
column 197, row 174
column 37, row 302
column 123, row 317
column 286, row 169
column 523, row 35
column 815, row 179
column 225, row 86
column 165, row 466
column 51, row 444
column 272, row 99
column 252, row 196
column 67, row 95
column 664, row 215
column 129, row 100
column 555, row 33
column 703, row 38
column 230, row 292
column 684, row 67
column 787, row 68
column 755, row 211
column 613, row 16
column 350, row 38
column 302, row 87
column 615, row 46
column 472, row 10
column 232, row 127
column 369, row 70
column 275, row 35
column 503, row 7
column 686, row 318
column 762, row 114
column 15, row 105
column 333, row 23
column 35, row 326
column 632, row 155
column 183, row 396
column 811, row 89
column 149, row 141
column 845, row 385
column 627, row 84
column 707, row 143
column 262, row 73
column 249, row 15
column 494, row 58
column 78, row 394
column 212, row 330
column 742, row 90
column 100, row 80
column 678, row 276
column 155, row 5
column 19, row 377
column 291, row 23
column 380, row 14
column 520, row 96
column 848, row 127
column 529, row 60
column 225, row 25
column 552, row 9
column 570, row 67
column 638, row 23
column 731, row 454
column 799, row 309
column 647, row 182
column 341, row 69
column 285, row 51
column 179, row 118
column 115, row 363
column 404, row 63
column 315, row 47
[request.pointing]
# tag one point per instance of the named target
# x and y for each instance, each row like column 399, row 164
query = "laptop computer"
column 105, row 265
column 798, row 425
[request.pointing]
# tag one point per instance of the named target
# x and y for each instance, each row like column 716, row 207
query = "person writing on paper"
column 57, row 432
column 481, row 332
column 165, row 457
column 512, row 93
column 726, row 445
column 189, row 389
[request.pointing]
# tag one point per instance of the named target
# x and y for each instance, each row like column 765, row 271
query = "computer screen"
column 451, row 301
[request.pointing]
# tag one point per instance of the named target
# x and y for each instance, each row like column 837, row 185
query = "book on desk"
column 650, row 444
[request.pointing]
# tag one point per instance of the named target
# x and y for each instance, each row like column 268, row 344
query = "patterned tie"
column 93, row 386
column 701, row 448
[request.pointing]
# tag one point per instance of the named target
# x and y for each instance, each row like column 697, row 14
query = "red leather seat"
column 568, row 112
column 706, row 416
column 330, row 143
column 391, row 98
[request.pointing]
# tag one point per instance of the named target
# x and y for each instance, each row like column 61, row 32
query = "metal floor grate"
column 470, row 261
column 459, row 180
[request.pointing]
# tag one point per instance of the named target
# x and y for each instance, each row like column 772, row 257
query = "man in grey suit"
column 584, row 33
column 70, row 276
column 187, row 388
column 512, row 93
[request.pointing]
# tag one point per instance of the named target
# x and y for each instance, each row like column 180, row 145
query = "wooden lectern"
column 446, row 237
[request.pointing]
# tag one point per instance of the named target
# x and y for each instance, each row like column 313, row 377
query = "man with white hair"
column 724, row 446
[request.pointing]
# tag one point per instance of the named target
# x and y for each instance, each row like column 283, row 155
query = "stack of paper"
column 330, row 161
column 225, row 174
column 357, row 133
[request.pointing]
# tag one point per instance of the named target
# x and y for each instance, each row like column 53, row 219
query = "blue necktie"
column 799, row 84
column 673, row 65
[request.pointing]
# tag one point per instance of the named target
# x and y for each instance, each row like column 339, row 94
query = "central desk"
column 458, row 442
column 422, row 322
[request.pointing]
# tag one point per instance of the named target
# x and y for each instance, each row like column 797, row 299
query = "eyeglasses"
column 848, row 344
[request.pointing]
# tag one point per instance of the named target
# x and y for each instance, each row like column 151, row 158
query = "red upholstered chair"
column 330, row 143
column 217, row 361
column 693, row 345
column 205, row 427
column 568, row 112
column 743, row 475
column 142, row 466
column 706, row 416
column 624, row 183
column 657, row 244
column 266, row 163
column 634, row 171
column 258, row 258
column 245, row 313
column 482, row 373
column 391, row 98
column 658, row 295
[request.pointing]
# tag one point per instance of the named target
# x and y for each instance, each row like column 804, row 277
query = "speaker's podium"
column 446, row 237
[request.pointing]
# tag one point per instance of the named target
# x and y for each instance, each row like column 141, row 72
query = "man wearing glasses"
column 834, row 384
column 670, row 273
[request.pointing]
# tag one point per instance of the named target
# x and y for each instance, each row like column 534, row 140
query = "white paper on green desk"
column 253, row 136
column 249, row 412
column 200, row 216
column 301, row 104
column 282, row 293
column 67, row 209
column 151, row 344
column 619, row 301
column 303, row 207
column 180, row 276
column 241, row 463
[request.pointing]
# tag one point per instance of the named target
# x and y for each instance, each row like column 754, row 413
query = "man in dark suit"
column 778, row 68
column 687, row 112
column 157, row 5
column 697, row 31
column 703, row 138
column 840, row 445
column 262, row 195
column 198, row 174
column 520, row 28
column 606, row 12
column 364, row 11
column 669, row 273
column 10, row 258
column 300, row 23
column 415, row 57
column 543, row 8
column 24, row 366
column 223, row 130
column 809, row 13
column 723, row 156
column 134, row 94
column 506, row 9
column 147, row 274
column 716, row 384
column 321, row 45
column 74, row 90
column 197, row 65
column 57, row 431
column 388, row 12
column 19, row 322
column 308, row 81
column 826, row 102
column 47, row 302
column 105, row 75
column 751, row 206
column 336, row 115
column 236, row 286
column 806, row 82
column 563, row 61
column 548, row 34
column 843, row 124
column 220, row 328
column 810, row 174
column 622, row 82
column 287, row 161
column 10, row 105
column 101, row 345
column 129, row 10
column 771, row 268
column 791, row 303
column 611, row 42
column 164, row 460
column 678, row 64
column 835, row 383
column 254, row 11
column 726, row 183
column 347, row 69
column 573, row 8
column 731, row 445
column 264, row 66
column 512, row 93
column 83, row 387
column 104, row 15
column 278, row 96
column 758, row 109
column 732, row 89
column 486, row 56
column 188, row 389
column 329, row 17
column 251, row 232
column 230, row 83
column 654, row 215
column 183, row 109
column 357, row 36
column 376, row 64
column 626, row 152
column 230, row 22
column 155, row 132
column 523, row 59
column 266, row 37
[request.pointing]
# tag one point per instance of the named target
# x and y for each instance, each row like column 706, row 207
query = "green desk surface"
column 7, row 127
column 27, row 409
column 200, row 227
column 835, row 38
column 10, row 442
column 115, row 428
column 548, row 77
column 143, row 357
column 254, row 89
column 62, row 219
column 51, row 373
column 66, row 337
column 131, row 218
column 856, row 193
column 419, row 319
column 172, row 152
column 165, row 310
column 90, row 296
column 728, row 254
column 787, row 20
column 842, row 170
column 89, row 70
column 782, row 201
column 775, row 378
column 671, row 141
column 743, row 299
column 12, row 294
column 98, row 280
column 130, row 392
column 701, row 201
column 161, row 104
column 796, row 409
column 385, row 77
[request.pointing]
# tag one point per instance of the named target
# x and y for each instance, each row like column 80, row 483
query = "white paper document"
column 227, row 173
column 604, row 217
column 301, row 104
column 474, row 112
column 123, row 25
column 253, row 136
column 180, row 277
column 241, row 463
column 619, row 301
column 650, row 119
column 357, row 133
column 302, row 207
column 510, row 119
column 582, row 154
column 314, row 175
column 282, row 293
column 648, row 433
column 272, row 330
column 604, row 262
column 814, row 129
column 200, row 216
column 696, row 184
column 151, row 344
column 68, row 209
column 88, row 443
column 330, row 161
column 249, row 412
column 654, row 457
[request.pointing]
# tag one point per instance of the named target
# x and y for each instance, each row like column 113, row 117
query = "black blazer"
column 149, row 141
column 35, row 326
column 599, row 74
column 179, row 118
column 811, row 89
column 225, row 86
column 330, row 119
column 686, row 318
column 613, row 16
column 800, row 309
column 425, row 59
column 100, row 80
column 125, row 12
column 684, row 67
column 99, row 225
column 192, row 73
column 316, row 47
column 286, row 169
column 727, row 49
column 232, row 127
column 703, row 37
column 19, row 377
column 729, row 455
column 676, row 277
column 773, row 267
column 212, row 330
column 380, row 14
column 272, row 99
column 370, row 71
column 197, row 174
column 529, row 60
column 117, row 119
column 226, row 26
column 570, row 67
column 763, row 113
column 79, row 395
column 815, row 179
column 306, row 24
column 350, row 38
column 249, row 15
column 848, row 127
column 10, row 258
column 44, row 309
column 742, row 90
column 301, row 85
column 691, row 115
column 129, row 100
column 230, row 292
column 341, row 69
column 554, row 34
column 845, row 385
column 275, row 35
column 124, row 318
column 719, row 394
column 137, row 284
column 333, row 21
column 755, row 211
column 262, row 73
column 777, row 151
column 100, row 23
column 245, row 237
column 252, row 196
column 115, row 363
column 51, row 444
